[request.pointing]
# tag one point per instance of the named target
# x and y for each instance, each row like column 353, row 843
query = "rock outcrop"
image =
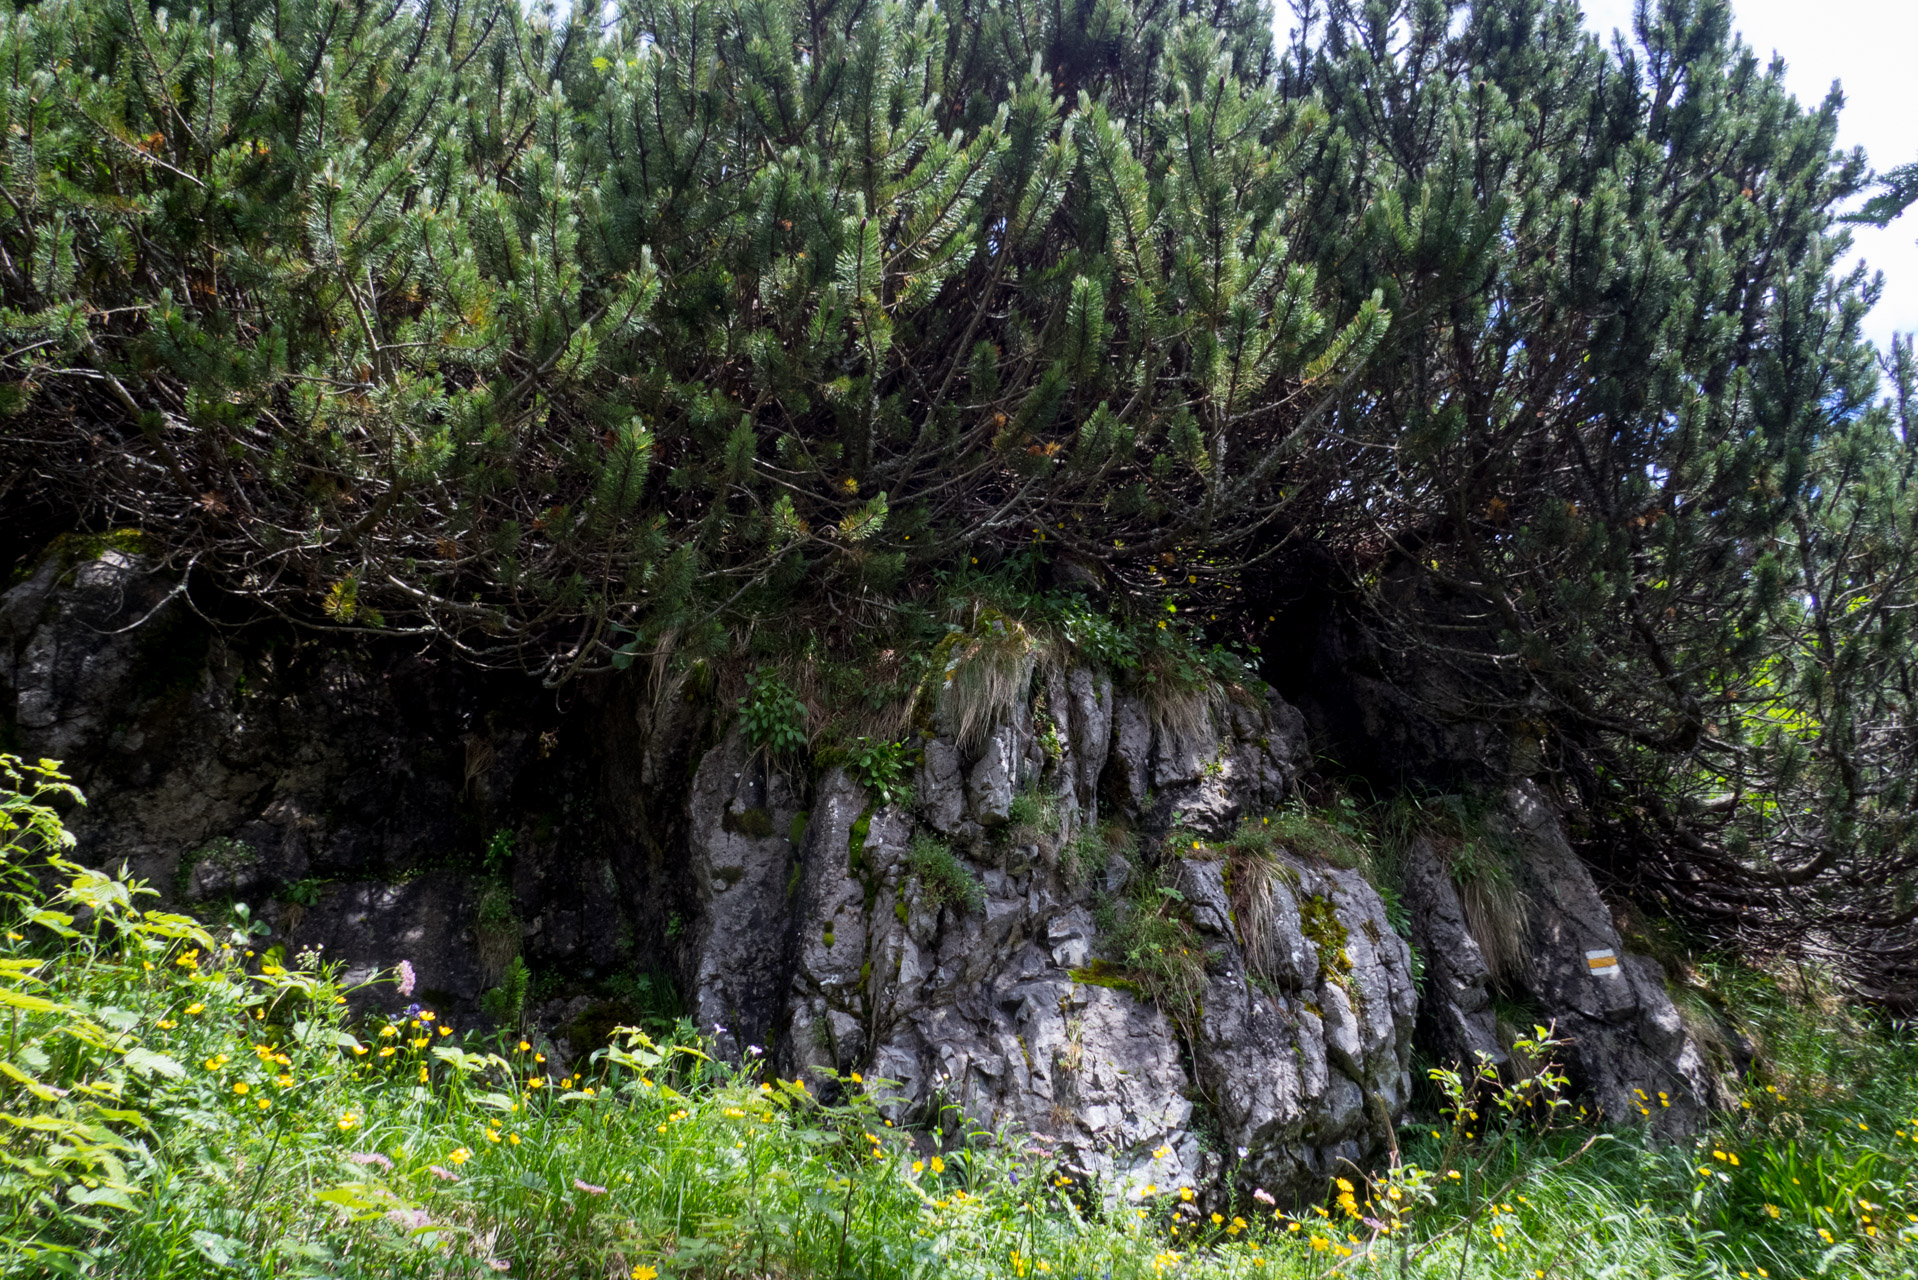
column 383, row 806
column 1627, row 1049
column 1006, row 1009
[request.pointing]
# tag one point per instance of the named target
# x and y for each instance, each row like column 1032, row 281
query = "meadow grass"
column 179, row 1102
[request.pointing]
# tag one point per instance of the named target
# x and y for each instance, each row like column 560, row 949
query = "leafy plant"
column 1337, row 833
column 881, row 768
column 506, row 1003
column 499, row 851
column 1085, row 856
column 772, row 715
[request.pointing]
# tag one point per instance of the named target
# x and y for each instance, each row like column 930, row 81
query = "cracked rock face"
column 385, row 807
column 1627, row 1049
column 1293, row 1060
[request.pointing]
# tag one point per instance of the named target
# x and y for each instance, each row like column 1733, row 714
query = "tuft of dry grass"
column 1495, row 908
column 984, row 678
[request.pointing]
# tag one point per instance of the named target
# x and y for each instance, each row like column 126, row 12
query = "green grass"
column 944, row 880
column 178, row 1102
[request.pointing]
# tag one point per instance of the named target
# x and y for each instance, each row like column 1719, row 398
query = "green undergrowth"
column 1146, row 932
column 182, row 1100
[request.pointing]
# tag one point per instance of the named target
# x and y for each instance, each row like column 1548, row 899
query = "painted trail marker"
column 1603, row 964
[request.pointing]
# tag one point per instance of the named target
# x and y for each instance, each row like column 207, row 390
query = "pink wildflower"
column 589, row 1188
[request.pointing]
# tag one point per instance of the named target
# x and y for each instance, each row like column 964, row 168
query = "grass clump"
column 1033, row 816
column 984, row 674
column 1146, row 931
column 1091, row 849
column 1469, row 836
column 1253, row 872
column 944, row 880
column 1335, row 833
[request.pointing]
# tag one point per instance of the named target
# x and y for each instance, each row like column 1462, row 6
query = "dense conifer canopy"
column 669, row 328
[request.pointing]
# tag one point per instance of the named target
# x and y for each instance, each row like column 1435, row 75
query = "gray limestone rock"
column 740, row 818
column 940, row 791
column 1089, row 707
column 1628, row 1048
column 645, row 836
column 1303, row 1062
column 1457, row 1014
column 1129, row 762
column 995, row 777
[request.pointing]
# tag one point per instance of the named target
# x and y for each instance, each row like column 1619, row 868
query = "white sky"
column 1871, row 48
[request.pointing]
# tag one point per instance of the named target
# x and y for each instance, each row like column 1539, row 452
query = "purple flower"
column 444, row 1175
column 589, row 1188
column 1263, row 1196
column 718, row 1030
column 410, row 1219
column 367, row 1158
column 754, row 1050
column 407, row 977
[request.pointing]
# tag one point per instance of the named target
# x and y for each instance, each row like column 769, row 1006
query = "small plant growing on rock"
column 498, row 931
column 1145, row 929
column 506, row 1002
column 499, row 851
column 881, row 767
column 772, row 715
column 1032, row 815
column 943, row 878
column 1089, row 851
column 1335, row 833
